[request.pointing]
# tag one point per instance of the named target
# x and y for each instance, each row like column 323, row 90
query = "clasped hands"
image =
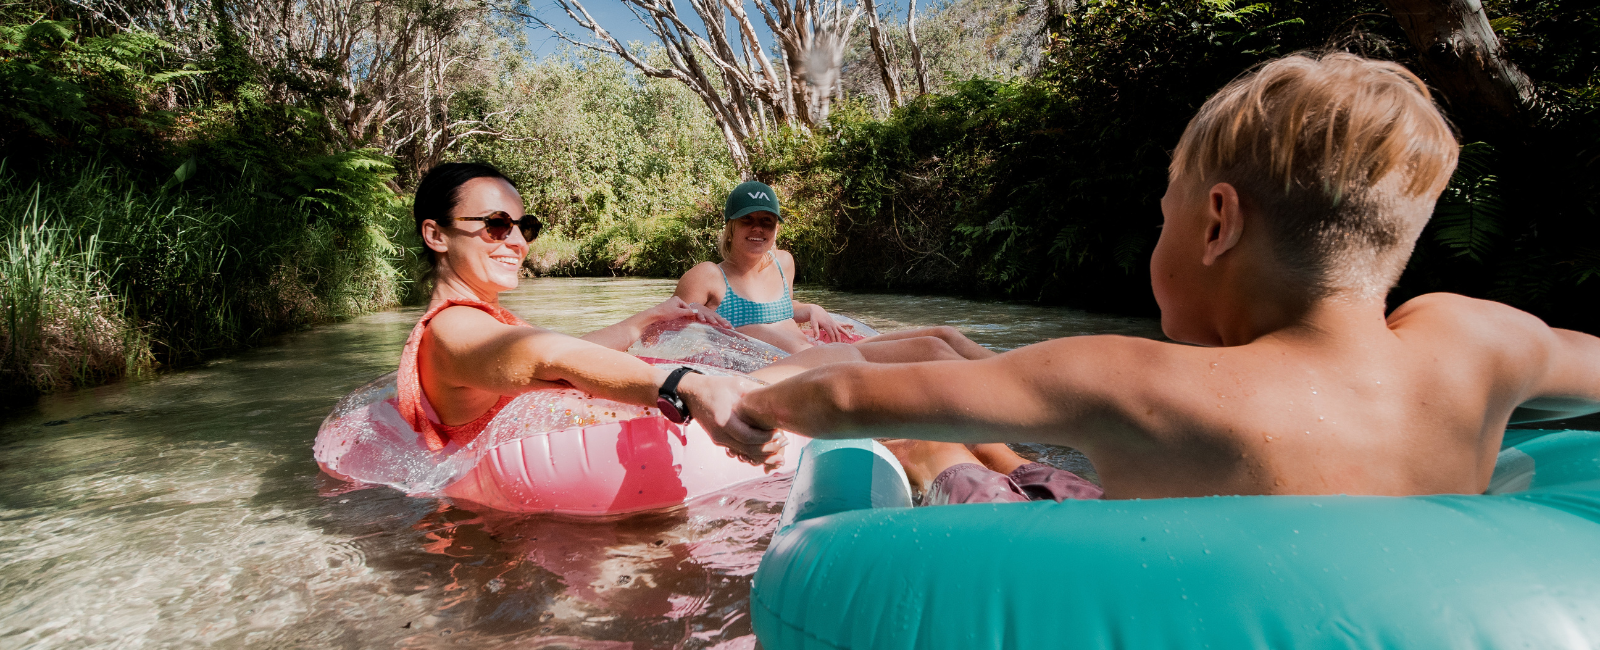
column 714, row 402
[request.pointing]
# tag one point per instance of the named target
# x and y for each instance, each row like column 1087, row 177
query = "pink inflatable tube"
column 556, row 450
column 640, row 464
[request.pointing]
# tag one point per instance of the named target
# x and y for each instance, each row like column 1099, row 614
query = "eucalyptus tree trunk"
column 916, row 50
column 1461, row 56
column 885, row 54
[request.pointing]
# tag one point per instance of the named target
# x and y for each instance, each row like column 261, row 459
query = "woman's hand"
column 709, row 316
column 674, row 308
column 824, row 323
column 623, row 334
column 712, row 401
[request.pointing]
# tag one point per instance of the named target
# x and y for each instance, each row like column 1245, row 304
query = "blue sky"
column 615, row 17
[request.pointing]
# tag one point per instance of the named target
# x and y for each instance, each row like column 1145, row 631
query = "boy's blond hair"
column 1342, row 156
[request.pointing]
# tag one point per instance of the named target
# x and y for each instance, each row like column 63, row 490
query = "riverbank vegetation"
column 166, row 195
column 181, row 179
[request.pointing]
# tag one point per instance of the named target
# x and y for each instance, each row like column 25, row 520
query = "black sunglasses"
column 499, row 225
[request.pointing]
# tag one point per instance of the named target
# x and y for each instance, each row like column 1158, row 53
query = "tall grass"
column 62, row 325
column 103, row 277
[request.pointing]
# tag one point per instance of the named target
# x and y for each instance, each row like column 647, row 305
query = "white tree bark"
column 884, row 51
column 916, row 50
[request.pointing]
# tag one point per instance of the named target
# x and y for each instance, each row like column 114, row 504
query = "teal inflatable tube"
column 852, row 566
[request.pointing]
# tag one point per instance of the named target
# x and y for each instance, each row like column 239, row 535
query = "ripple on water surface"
column 187, row 510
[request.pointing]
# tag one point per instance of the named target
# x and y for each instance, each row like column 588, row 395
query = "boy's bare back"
column 1416, row 404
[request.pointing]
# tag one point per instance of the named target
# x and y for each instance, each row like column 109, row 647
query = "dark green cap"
column 751, row 196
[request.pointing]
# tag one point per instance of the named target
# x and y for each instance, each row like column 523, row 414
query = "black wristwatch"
column 670, row 402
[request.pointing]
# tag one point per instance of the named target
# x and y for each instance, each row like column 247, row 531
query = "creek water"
column 187, row 510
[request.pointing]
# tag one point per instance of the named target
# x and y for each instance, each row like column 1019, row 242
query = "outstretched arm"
column 688, row 301
column 622, row 335
column 1064, row 391
column 468, row 348
column 1571, row 384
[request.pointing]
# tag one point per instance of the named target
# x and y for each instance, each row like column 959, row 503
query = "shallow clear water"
column 187, row 510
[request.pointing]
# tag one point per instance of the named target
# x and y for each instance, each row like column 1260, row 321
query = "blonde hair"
column 1343, row 157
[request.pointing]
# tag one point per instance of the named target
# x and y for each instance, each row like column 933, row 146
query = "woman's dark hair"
column 440, row 192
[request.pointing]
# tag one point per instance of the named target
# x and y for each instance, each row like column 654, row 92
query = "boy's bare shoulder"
column 1461, row 320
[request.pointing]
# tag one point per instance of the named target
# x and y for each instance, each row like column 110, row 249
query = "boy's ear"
column 433, row 236
column 1224, row 221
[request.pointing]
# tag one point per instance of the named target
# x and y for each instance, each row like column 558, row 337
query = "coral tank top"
column 412, row 402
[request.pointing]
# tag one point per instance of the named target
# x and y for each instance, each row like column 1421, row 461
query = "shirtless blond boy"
column 1295, row 197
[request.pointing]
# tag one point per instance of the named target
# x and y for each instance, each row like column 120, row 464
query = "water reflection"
column 187, row 510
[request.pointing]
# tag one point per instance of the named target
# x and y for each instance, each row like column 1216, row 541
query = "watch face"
column 669, row 410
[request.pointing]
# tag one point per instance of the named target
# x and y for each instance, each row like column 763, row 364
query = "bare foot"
column 925, row 460
column 998, row 456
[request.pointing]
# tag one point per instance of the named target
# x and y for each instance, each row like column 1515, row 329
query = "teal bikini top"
column 741, row 312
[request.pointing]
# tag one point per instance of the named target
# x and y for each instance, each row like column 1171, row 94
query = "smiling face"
column 753, row 234
column 467, row 254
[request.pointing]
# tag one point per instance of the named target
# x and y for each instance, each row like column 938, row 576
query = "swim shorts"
column 973, row 483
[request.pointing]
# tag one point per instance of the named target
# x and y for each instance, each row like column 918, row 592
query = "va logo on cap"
column 760, row 195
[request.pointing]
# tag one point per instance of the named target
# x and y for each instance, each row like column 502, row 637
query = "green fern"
column 1230, row 9
column 1469, row 216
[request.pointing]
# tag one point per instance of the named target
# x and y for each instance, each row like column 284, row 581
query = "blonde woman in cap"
column 753, row 289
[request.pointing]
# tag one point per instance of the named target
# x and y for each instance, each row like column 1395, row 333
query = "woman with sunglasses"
column 753, row 288
column 468, row 356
